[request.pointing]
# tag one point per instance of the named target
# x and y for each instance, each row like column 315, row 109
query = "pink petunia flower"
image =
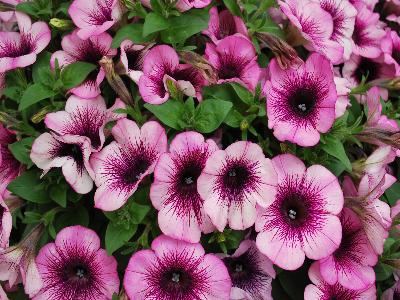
column 391, row 49
column 94, row 17
column 161, row 64
column 234, row 60
column 392, row 293
column 351, row 264
column 174, row 190
column 8, row 15
column 315, row 25
column 395, row 213
column 5, row 224
column 18, row 263
column 75, row 267
column 223, row 24
column 343, row 89
column 302, row 221
column 233, row 181
column 367, row 34
column 132, row 59
column 91, row 51
column 375, row 119
column 175, row 269
column 321, row 290
column 122, row 165
column 251, row 273
column 301, row 102
column 392, row 11
column 184, row 5
column 19, row 49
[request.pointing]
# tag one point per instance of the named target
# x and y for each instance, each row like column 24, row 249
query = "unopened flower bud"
column 198, row 62
column 61, row 24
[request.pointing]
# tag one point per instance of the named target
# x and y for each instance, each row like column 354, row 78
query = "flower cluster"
column 179, row 150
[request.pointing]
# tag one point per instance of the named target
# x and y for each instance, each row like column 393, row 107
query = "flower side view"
column 302, row 220
column 175, row 269
column 75, row 267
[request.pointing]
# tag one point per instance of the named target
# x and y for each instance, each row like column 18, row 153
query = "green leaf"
column 154, row 23
column 335, row 148
column 21, row 150
column 132, row 32
column 117, row 236
column 138, row 212
column 74, row 216
column 210, row 114
column 58, row 193
column 170, row 113
column 42, row 63
column 234, row 118
column 233, row 7
column 33, row 94
column 244, row 94
column 271, row 27
column 75, row 73
column 185, row 25
column 30, row 187
column 383, row 271
column 392, row 193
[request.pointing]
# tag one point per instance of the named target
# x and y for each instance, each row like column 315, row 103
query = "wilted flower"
column 174, row 190
column 94, row 17
column 251, row 273
column 234, row 60
column 161, row 64
column 75, row 267
column 233, row 181
column 122, row 165
column 18, row 50
column 302, row 221
column 90, row 50
column 301, row 102
column 321, row 290
column 175, row 269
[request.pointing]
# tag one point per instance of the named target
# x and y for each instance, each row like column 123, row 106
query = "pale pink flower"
column 132, row 59
column 184, row 5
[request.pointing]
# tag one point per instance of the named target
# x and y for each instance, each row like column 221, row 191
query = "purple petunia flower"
column 91, row 51
column 175, row 269
column 234, row 59
column 233, row 181
column 18, row 50
column 301, row 102
column 302, row 221
column 94, row 17
column 321, row 290
column 251, row 273
column 174, row 190
column 160, row 64
column 75, row 267
column 122, row 165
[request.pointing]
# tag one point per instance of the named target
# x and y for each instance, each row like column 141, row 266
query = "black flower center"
column 236, row 177
column 396, row 55
column 396, row 295
column 188, row 178
column 176, row 281
column 76, row 272
column 367, row 68
column 138, row 167
column 135, row 59
column 303, row 100
column 2, row 210
column 294, row 209
column 72, row 150
column 359, row 36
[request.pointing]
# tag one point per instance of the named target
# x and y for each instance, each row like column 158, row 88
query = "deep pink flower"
column 315, row 25
column 174, row 190
column 234, row 59
column 175, row 269
column 160, row 64
column 184, row 5
column 373, row 213
column 367, row 34
column 132, row 59
column 233, row 181
column 302, row 221
column 375, row 118
column 251, row 273
column 321, row 290
column 75, row 267
column 91, row 51
column 121, row 166
column 94, row 17
column 391, row 49
column 392, row 10
column 5, row 224
column 19, row 49
column 301, row 102
column 351, row 264
column 223, row 24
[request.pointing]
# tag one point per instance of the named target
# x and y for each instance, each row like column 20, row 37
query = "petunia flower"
column 3, row 295
column 18, row 263
column 391, row 9
column 5, row 224
column 315, row 25
column 124, row 163
column 233, row 181
column 251, row 273
column 395, row 213
column 223, row 24
column 132, row 59
column 367, row 34
column 343, row 89
column 302, row 220
column 392, row 293
column 75, row 267
column 174, row 269
column 94, row 17
column 184, row 5
column 174, row 190
column 391, row 49
column 301, row 102
column 160, row 65
column 20, row 49
column 234, row 60
column 321, row 290
column 351, row 264
column 90, row 50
